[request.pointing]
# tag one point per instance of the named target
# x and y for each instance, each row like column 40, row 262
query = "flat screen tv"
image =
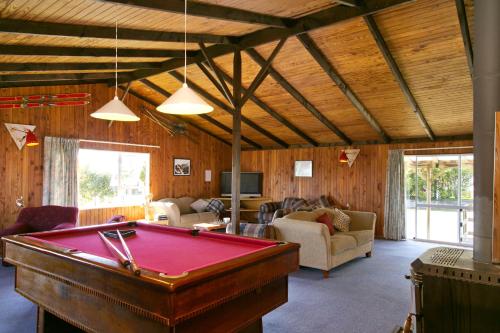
column 250, row 184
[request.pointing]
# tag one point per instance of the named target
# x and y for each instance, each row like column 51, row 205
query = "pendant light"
column 115, row 109
column 185, row 100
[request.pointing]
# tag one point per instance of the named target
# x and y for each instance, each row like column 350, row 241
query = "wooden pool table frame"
column 96, row 294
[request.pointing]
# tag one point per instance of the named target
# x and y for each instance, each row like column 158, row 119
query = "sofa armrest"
column 314, row 239
column 361, row 220
column 17, row 228
column 170, row 209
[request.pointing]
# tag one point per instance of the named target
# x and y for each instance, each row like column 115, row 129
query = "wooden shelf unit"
column 249, row 207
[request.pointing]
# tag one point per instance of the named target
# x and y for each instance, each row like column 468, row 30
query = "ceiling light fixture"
column 185, row 100
column 115, row 109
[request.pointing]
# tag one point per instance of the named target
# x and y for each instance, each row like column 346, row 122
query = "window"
column 112, row 178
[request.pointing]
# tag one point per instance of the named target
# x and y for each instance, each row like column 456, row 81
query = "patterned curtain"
column 60, row 166
column 394, row 216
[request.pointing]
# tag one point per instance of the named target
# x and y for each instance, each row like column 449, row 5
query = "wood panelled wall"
column 21, row 170
column 361, row 186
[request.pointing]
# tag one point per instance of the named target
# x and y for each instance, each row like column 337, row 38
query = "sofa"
column 180, row 213
column 320, row 250
column 271, row 210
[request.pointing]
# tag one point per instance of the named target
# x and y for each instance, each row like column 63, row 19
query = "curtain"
column 60, row 166
column 394, row 217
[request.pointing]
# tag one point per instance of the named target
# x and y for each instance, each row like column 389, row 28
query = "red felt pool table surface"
column 163, row 249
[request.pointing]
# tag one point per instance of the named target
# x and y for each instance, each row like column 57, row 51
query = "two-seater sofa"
column 320, row 250
column 180, row 213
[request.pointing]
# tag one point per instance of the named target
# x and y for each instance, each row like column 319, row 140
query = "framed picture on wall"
column 182, row 167
column 303, row 169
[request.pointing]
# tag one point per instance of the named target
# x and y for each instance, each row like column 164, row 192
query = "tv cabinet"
column 249, row 206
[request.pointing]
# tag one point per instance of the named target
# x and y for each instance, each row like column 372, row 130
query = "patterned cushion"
column 341, row 220
column 254, row 230
column 216, row 206
column 270, row 207
column 199, row 205
column 294, row 203
column 324, row 202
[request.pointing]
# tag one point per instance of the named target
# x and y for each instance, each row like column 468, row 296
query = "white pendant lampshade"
column 185, row 101
column 115, row 110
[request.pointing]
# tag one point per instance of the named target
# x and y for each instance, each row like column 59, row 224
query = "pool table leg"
column 48, row 323
column 255, row 327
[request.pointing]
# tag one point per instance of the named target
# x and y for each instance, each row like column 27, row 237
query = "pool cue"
column 117, row 253
column 133, row 265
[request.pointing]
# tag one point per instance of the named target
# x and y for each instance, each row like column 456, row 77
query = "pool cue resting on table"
column 133, row 265
column 117, row 253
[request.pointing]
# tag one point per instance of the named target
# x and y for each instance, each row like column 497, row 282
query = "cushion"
column 293, row 203
column 341, row 243
column 326, row 220
column 182, row 203
column 199, row 205
column 216, row 206
column 341, row 220
column 362, row 236
column 254, row 230
column 324, row 202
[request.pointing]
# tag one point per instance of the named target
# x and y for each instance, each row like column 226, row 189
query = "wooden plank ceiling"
column 342, row 77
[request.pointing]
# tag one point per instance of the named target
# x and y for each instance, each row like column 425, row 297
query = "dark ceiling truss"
column 40, row 50
column 72, row 66
column 309, row 22
column 209, row 11
column 299, row 97
column 464, row 28
column 228, row 109
column 152, row 103
column 393, row 66
column 262, row 105
column 218, row 124
column 103, row 32
column 328, row 68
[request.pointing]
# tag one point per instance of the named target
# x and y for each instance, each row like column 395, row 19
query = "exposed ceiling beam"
column 73, row 66
column 228, row 109
column 465, row 137
column 208, row 11
column 220, row 84
column 393, row 66
column 266, row 108
column 309, row 22
column 49, row 83
column 464, row 28
column 152, row 103
column 264, row 71
column 90, row 52
column 328, row 68
column 299, row 97
column 90, row 31
column 56, row 77
column 349, row 3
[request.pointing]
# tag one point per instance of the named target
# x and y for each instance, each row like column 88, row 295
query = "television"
column 250, row 184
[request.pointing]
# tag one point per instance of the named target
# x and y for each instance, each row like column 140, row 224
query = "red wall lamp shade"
column 31, row 139
column 343, row 157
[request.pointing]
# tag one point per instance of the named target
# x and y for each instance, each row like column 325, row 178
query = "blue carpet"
column 364, row 295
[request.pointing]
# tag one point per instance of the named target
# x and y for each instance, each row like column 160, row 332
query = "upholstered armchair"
column 272, row 210
column 45, row 218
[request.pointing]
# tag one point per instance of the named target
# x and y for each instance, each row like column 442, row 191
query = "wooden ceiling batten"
column 384, row 49
column 263, row 106
column 228, row 109
column 91, row 52
column 208, row 11
column 306, row 23
column 298, row 96
column 105, row 32
column 49, row 83
column 321, row 59
column 464, row 28
column 55, row 77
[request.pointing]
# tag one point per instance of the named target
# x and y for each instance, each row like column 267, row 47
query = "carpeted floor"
column 365, row 295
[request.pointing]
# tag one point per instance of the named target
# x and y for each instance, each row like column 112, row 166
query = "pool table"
column 190, row 281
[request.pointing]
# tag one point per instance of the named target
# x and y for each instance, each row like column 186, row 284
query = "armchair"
column 45, row 218
column 270, row 211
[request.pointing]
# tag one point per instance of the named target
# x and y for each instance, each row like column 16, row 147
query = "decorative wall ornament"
column 182, row 167
column 351, row 155
column 19, row 132
column 303, row 169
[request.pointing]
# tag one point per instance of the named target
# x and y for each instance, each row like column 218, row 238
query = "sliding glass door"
column 439, row 197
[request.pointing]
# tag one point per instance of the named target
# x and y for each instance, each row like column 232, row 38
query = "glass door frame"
column 460, row 208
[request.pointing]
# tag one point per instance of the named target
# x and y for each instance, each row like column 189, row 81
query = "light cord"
column 185, row 41
column 116, row 58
